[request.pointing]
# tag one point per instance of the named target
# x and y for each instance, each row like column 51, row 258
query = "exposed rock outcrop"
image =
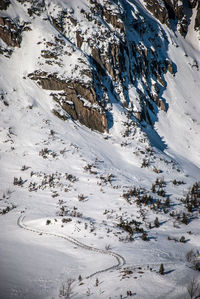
column 192, row 3
column 88, row 116
column 114, row 19
column 172, row 13
column 197, row 19
column 101, row 53
column 52, row 82
column 10, row 33
column 115, row 61
column 35, row 7
column 76, row 99
column 159, row 10
column 79, row 39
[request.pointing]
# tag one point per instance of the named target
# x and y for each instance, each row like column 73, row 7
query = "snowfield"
column 68, row 207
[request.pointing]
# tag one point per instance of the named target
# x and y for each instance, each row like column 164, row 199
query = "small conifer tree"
column 144, row 236
column 156, row 222
column 184, row 219
column 161, row 270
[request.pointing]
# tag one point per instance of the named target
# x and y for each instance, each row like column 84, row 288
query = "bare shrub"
column 182, row 239
column 18, row 182
column 145, row 163
column 66, row 220
column 193, row 289
column 44, row 152
column 190, row 255
column 24, row 167
column 81, row 197
column 66, row 290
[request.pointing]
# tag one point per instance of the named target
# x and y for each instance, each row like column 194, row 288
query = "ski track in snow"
column 120, row 260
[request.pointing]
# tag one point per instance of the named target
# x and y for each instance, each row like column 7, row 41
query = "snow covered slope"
column 100, row 148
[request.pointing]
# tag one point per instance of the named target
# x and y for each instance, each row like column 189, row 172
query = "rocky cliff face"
column 10, row 33
column 101, row 52
column 175, row 13
column 196, row 4
column 117, row 63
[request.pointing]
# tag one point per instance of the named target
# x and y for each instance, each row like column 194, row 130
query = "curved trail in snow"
column 120, row 260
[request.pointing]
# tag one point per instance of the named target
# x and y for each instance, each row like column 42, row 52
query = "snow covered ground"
column 74, row 183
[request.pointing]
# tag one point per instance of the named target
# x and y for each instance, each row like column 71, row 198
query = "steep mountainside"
column 100, row 147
